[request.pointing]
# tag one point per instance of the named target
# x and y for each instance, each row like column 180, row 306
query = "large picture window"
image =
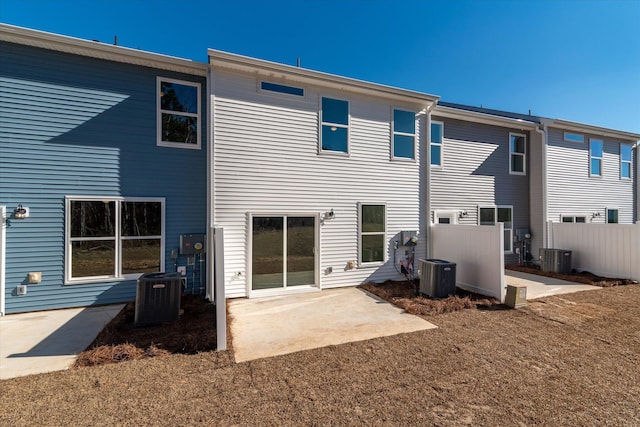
column 113, row 238
column 372, row 233
column 334, row 129
column 494, row 214
column 404, row 135
column 178, row 113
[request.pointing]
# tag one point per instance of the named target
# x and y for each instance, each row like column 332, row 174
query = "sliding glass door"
column 283, row 251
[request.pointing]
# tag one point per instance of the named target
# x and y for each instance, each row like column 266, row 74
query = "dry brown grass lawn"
column 561, row 361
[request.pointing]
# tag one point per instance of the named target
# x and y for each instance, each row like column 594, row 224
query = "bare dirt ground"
column 561, row 361
column 585, row 277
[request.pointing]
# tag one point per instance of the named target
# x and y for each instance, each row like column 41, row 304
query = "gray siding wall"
column 536, row 186
column 475, row 173
column 570, row 189
column 72, row 125
column 266, row 160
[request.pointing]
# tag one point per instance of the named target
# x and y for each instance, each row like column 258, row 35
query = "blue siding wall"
column 72, row 125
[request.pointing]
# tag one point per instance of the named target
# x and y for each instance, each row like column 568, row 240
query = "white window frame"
column 372, row 233
column 159, row 111
column 445, row 213
column 573, row 218
column 440, row 144
column 629, row 162
column 514, row 153
column 337, row 125
column 413, row 135
column 592, row 157
column 117, row 238
column 495, row 221
column 573, row 137
column 606, row 213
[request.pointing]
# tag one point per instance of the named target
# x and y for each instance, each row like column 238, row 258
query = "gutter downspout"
column 636, row 183
column 544, row 132
column 427, row 184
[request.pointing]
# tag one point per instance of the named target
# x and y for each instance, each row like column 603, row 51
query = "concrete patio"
column 542, row 286
column 272, row 326
column 45, row 341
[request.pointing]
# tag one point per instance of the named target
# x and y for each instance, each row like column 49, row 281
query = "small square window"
column 404, row 134
column 334, row 134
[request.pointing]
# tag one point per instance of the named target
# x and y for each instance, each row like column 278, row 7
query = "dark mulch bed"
column 120, row 340
column 579, row 277
column 402, row 294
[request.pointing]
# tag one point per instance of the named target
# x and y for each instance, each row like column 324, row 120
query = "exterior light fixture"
column 20, row 212
column 595, row 215
column 462, row 214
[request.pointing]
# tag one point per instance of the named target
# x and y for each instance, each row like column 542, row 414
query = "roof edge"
column 249, row 64
column 486, row 118
column 595, row 130
column 41, row 39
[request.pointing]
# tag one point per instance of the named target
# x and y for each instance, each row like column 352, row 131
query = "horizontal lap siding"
column 79, row 126
column 265, row 150
column 475, row 172
column 570, row 190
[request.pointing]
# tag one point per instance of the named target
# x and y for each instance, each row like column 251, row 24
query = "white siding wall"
column 570, row 190
column 266, row 159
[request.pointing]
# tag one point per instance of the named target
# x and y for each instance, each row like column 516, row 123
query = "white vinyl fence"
column 611, row 250
column 478, row 252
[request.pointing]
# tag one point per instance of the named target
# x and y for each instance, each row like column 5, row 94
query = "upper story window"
column 517, row 154
column 372, row 233
column 595, row 157
column 178, row 113
column 436, row 135
column 612, row 216
column 334, row 129
column 625, row 161
column 573, row 137
column 404, row 135
column 494, row 214
column 287, row 90
column 113, row 238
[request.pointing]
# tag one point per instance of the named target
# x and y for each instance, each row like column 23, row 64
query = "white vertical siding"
column 611, row 250
column 266, row 159
column 570, row 189
column 478, row 254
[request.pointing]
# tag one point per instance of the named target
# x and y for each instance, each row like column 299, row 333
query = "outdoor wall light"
column 327, row 216
column 21, row 212
column 595, row 215
column 462, row 214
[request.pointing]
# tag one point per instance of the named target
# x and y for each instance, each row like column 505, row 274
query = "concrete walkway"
column 542, row 286
column 45, row 341
column 272, row 326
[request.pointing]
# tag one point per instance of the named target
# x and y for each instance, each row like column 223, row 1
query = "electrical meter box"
column 191, row 244
column 408, row 238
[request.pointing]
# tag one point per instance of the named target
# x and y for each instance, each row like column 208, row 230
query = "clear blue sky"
column 577, row 60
